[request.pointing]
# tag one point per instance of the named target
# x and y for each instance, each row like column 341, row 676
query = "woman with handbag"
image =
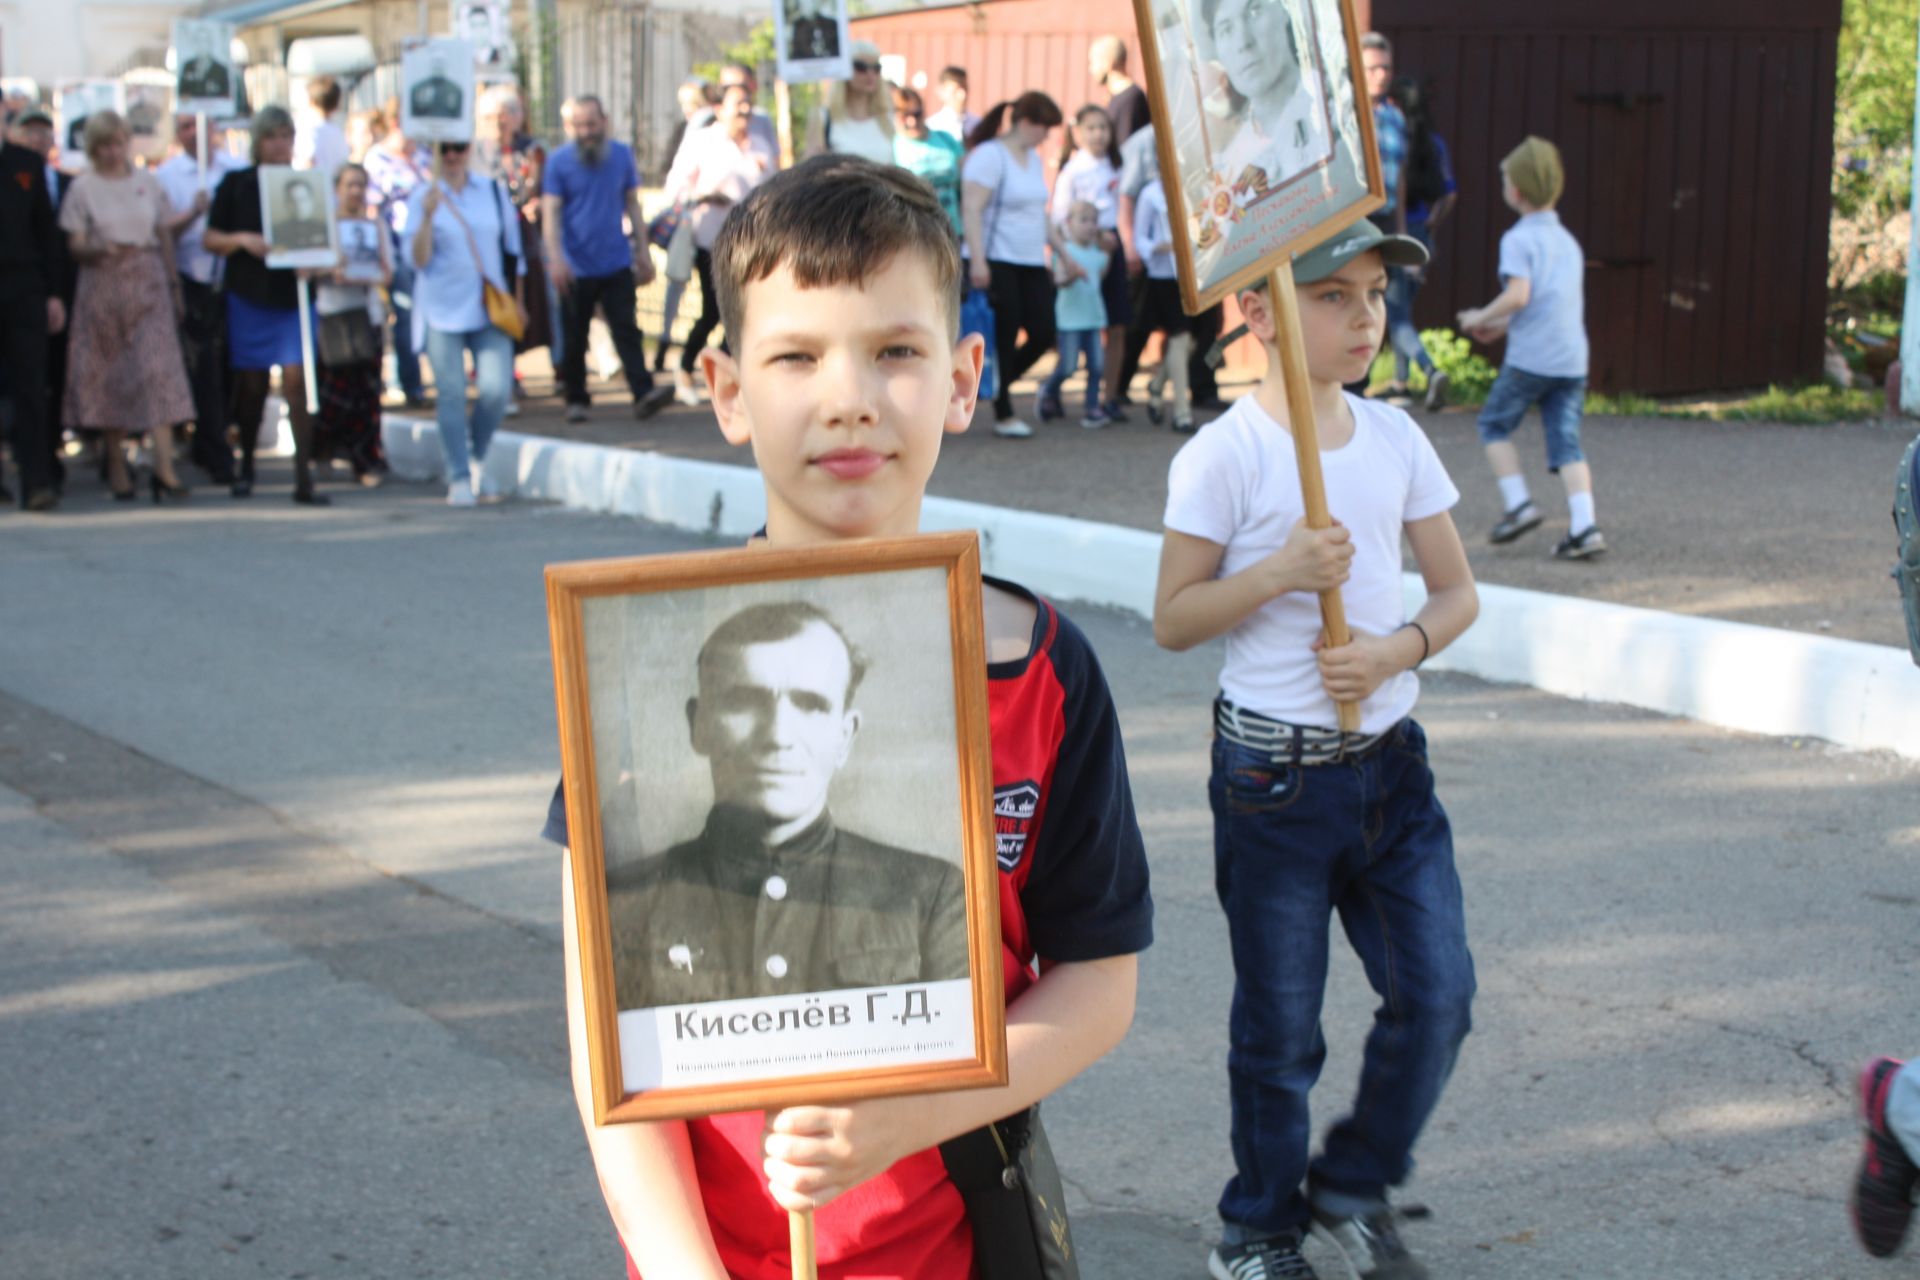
column 263, row 309
column 466, row 248
column 348, row 338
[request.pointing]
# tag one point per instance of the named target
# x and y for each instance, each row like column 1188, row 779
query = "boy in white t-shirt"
column 1308, row 820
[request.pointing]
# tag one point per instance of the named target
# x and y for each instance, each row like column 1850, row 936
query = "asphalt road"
column 279, row 958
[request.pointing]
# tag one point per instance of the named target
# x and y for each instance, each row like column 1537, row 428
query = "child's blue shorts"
column 1561, row 401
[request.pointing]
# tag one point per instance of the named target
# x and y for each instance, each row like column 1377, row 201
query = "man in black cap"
column 773, row 897
column 30, row 306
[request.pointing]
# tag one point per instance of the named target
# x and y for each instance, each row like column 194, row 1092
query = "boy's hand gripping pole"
column 800, row 1245
column 1306, row 446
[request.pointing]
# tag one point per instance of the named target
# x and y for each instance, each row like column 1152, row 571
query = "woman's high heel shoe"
column 164, row 492
column 127, row 494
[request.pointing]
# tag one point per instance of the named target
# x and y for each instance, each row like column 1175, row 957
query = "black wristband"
column 1426, row 642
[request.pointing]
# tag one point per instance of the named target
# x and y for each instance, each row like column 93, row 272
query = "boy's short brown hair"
column 835, row 219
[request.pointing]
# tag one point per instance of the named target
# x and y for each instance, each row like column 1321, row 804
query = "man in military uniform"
column 437, row 97
column 203, row 74
column 772, row 898
column 300, row 221
column 811, row 33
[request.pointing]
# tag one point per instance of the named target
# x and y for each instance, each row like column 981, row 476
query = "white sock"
column 1579, row 513
column 1513, row 491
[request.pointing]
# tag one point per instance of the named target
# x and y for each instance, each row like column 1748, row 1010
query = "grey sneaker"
column 1275, row 1258
column 576, row 413
column 1587, row 544
column 652, row 402
column 1370, row 1244
column 1437, row 390
column 1524, row 518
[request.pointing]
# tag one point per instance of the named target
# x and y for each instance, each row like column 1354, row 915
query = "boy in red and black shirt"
column 839, row 282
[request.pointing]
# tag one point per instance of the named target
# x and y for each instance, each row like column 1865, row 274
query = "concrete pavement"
column 279, row 958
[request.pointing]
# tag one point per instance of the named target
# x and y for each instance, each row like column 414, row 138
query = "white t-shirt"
column 863, row 138
column 1089, row 177
column 320, row 144
column 1237, row 484
column 1015, row 219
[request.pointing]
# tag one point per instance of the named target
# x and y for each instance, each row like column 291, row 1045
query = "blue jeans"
column 406, row 361
column 1903, row 1109
column 1561, row 401
column 1074, row 344
column 1402, row 334
column 493, row 378
column 1292, row 845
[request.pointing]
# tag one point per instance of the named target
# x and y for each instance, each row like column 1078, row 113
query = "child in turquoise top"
column 1079, row 313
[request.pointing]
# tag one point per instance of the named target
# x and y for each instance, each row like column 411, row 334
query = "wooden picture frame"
column 661, row 916
column 1233, row 221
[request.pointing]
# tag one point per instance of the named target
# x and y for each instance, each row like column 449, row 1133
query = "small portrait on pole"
column 296, row 214
column 779, row 810
column 203, row 67
column 1266, row 141
column 436, row 91
column 811, row 40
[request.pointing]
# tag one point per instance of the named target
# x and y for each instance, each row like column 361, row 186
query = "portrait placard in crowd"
column 811, row 41
column 296, row 216
column 204, row 74
column 487, row 25
column 1265, row 147
column 436, row 91
column 780, row 814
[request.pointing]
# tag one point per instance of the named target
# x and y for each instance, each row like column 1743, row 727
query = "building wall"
column 1698, row 142
column 53, row 40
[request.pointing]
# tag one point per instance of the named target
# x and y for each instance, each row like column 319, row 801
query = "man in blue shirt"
column 588, row 187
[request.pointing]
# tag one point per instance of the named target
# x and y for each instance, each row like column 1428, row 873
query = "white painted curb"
column 1731, row 674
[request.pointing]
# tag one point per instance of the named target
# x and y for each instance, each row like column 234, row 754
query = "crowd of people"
column 468, row 255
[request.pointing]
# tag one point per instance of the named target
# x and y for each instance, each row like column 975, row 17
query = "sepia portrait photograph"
column 810, row 38
column 203, row 67
column 436, row 90
column 1264, row 148
column 787, row 802
column 296, row 214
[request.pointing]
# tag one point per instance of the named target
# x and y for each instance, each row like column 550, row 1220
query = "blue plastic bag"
column 976, row 316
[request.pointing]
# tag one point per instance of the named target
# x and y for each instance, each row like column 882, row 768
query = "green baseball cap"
column 1319, row 263
column 1362, row 237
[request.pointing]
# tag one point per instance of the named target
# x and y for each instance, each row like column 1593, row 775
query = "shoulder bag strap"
column 479, row 263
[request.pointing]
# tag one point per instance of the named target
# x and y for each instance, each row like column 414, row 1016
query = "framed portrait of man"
column 780, row 814
column 436, row 91
column 1265, row 136
column 487, row 25
column 296, row 216
column 811, row 40
column 78, row 99
column 203, row 69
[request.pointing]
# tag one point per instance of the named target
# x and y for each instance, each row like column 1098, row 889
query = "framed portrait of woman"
column 1264, row 133
column 779, row 809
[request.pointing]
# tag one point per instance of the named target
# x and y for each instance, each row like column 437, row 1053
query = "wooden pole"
column 783, row 120
column 1306, row 447
column 800, row 1244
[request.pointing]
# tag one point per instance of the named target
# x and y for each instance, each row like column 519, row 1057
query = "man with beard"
column 589, row 186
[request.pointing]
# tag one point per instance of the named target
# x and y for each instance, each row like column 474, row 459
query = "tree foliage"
column 1873, row 110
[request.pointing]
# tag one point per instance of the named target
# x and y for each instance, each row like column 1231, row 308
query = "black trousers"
column 1200, row 374
column 1022, row 299
column 1137, row 333
column 23, row 344
column 709, row 314
column 613, row 295
column 203, row 341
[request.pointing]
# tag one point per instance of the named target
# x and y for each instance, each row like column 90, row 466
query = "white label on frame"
column 816, row 1033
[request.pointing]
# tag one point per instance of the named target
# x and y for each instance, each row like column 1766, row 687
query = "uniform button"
column 777, row 966
column 776, row 887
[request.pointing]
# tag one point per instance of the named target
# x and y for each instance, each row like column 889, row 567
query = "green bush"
column 1469, row 375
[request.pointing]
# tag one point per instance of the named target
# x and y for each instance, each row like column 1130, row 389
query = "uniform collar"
column 739, row 837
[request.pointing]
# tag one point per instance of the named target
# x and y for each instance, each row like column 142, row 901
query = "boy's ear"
column 969, row 359
column 1256, row 308
column 722, row 372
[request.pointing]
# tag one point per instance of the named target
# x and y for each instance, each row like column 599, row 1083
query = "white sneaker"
column 683, row 388
column 488, row 490
column 460, row 493
column 513, row 408
column 1012, row 428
